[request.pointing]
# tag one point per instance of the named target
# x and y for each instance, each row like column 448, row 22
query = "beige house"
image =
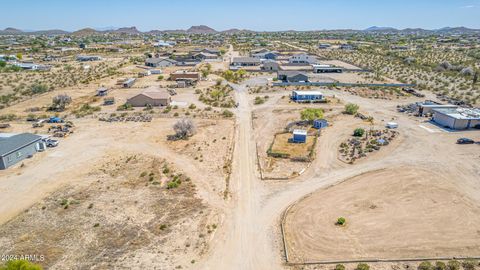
column 153, row 97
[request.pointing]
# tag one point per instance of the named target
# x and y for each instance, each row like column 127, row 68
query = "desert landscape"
column 127, row 148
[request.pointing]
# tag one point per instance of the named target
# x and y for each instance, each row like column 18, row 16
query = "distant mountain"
column 201, row 29
column 236, row 31
column 85, row 32
column 127, row 30
column 49, row 32
column 380, row 29
column 457, row 30
column 12, row 30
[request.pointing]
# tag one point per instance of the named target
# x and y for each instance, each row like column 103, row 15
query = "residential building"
column 152, row 96
column 183, row 74
column 245, row 61
column 270, row 65
column 292, row 76
column 302, row 58
column 17, row 147
column 160, row 62
column 265, row 55
column 326, row 69
column 307, row 96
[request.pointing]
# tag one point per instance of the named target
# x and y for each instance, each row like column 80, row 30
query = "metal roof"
column 461, row 113
column 299, row 132
column 13, row 143
column 307, row 93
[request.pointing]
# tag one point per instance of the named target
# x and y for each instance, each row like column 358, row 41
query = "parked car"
column 51, row 143
column 465, row 141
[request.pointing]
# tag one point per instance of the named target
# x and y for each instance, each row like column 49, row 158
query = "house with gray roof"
column 292, row 76
column 17, row 147
column 245, row 61
column 160, row 62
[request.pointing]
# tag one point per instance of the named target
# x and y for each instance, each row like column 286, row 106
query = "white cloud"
column 469, row 6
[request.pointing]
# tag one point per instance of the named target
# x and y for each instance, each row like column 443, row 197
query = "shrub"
column 341, row 221
column 453, row 265
column 358, row 132
column 339, row 267
column 311, row 114
column 20, row 265
column 351, row 108
column 227, row 113
column 173, row 184
column 362, row 266
column 160, row 77
column 440, row 266
column 468, row 264
column 184, row 128
column 425, row 266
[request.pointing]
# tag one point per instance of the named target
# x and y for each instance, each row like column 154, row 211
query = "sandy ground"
column 401, row 212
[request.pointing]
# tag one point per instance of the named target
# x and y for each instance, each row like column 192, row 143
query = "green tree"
column 3, row 64
column 311, row 114
column 341, row 221
column 351, row 108
column 19, row 56
column 20, row 265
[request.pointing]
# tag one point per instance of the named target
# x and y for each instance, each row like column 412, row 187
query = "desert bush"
column 339, row 267
column 440, row 266
column 453, row 265
column 469, row 264
column 184, row 128
column 227, row 113
column 351, row 108
column 425, row 266
column 20, row 265
column 362, row 266
column 358, row 132
column 341, row 221
column 311, row 114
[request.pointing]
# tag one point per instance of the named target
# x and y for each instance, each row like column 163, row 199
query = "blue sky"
column 268, row 15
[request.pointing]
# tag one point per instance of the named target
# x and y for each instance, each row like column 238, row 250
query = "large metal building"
column 459, row 118
column 16, row 147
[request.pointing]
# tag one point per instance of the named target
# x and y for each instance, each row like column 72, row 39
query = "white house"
column 302, row 58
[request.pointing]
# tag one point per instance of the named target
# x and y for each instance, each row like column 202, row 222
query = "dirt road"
column 243, row 243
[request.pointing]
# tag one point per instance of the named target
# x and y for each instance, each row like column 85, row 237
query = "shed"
column 299, row 136
column 320, row 123
column 16, row 147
